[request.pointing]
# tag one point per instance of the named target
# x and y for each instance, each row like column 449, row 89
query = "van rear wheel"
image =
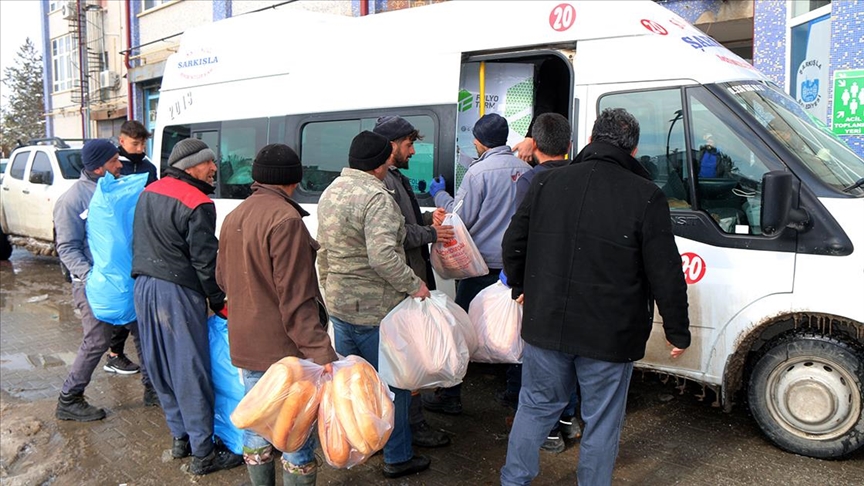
column 806, row 394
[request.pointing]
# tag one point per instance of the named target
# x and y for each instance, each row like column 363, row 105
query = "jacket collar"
column 259, row 188
column 136, row 158
column 605, row 152
column 359, row 174
column 183, row 176
column 88, row 176
column 501, row 149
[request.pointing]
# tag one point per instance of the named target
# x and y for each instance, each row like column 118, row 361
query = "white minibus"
column 767, row 206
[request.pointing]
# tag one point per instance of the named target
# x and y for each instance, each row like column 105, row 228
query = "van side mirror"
column 778, row 194
column 41, row 177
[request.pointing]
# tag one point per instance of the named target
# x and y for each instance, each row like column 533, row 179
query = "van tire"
column 806, row 392
column 5, row 247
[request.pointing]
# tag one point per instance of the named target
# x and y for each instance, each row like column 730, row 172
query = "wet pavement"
column 670, row 436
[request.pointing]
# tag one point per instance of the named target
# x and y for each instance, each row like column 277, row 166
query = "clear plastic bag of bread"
column 355, row 418
column 458, row 258
column 283, row 406
column 425, row 343
column 497, row 320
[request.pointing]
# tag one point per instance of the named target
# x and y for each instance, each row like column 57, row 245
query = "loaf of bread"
column 330, row 433
column 295, row 419
column 265, row 398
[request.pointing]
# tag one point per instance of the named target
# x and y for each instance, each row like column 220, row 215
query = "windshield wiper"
column 858, row 183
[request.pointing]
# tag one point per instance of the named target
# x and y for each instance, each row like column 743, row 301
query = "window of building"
column 325, row 147
column 662, row 148
column 54, row 5
column 19, row 163
column 801, row 7
column 148, row 4
column 42, row 169
column 64, row 57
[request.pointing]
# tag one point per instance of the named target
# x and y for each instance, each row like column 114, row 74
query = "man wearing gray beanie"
column 487, row 194
column 266, row 266
column 364, row 274
column 174, row 264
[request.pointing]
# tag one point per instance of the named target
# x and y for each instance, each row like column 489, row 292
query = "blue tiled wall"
column 847, row 50
column 769, row 39
column 690, row 10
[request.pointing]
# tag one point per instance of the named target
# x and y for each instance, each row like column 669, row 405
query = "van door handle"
column 5, row 188
column 26, row 191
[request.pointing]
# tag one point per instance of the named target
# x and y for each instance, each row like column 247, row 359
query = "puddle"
column 21, row 361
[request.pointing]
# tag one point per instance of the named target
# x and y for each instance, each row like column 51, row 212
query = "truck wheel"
column 806, row 393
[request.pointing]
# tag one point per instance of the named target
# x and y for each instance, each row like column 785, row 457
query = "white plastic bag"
column 497, row 320
column 459, row 258
column 425, row 344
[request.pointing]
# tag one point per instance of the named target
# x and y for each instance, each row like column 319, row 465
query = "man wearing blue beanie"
column 70, row 222
column 487, row 194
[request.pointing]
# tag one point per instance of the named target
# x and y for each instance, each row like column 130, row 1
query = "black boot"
column 180, row 447
column 219, row 458
column 262, row 474
column 151, row 398
column 75, row 407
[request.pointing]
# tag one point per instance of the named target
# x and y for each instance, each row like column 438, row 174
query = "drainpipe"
column 130, row 105
column 82, row 72
column 364, row 8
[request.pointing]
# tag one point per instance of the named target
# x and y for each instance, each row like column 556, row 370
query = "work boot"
column 553, row 443
column 508, row 399
column 570, row 428
column 219, row 458
column 151, row 398
column 411, row 466
column 75, row 407
column 262, row 474
column 423, row 435
column 304, row 475
column 180, row 447
column 438, row 402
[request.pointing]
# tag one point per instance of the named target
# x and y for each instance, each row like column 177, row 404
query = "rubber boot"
column 262, row 474
column 304, row 475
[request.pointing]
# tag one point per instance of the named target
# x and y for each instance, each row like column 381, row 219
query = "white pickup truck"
column 36, row 175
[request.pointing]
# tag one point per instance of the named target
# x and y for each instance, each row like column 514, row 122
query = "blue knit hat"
column 491, row 130
column 393, row 127
column 96, row 152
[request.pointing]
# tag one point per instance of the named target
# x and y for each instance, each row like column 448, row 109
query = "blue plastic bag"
column 109, row 235
column 227, row 385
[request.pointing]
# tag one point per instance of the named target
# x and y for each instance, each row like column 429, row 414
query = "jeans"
column 253, row 441
column 548, row 379
column 363, row 341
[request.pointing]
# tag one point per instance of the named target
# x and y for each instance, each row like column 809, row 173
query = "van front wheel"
column 806, row 394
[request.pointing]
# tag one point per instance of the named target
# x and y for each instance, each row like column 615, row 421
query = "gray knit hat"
column 189, row 153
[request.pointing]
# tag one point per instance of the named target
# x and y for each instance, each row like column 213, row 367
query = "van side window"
column 170, row 136
column 19, row 163
column 324, row 151
column 662, row 149
column 728, row 173
column 240, row 141
column 41, row 171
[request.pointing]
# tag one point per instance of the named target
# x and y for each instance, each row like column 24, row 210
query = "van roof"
column 425, row 46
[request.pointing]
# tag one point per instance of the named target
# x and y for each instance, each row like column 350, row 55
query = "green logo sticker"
column 466, row 100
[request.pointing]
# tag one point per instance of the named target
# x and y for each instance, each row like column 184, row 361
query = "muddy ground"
column 671, row 436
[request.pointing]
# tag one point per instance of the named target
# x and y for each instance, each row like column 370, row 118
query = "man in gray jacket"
column 420, row 231
column 487, row 194
column 70, row 222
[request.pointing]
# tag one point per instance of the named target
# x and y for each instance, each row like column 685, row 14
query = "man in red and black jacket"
column 174, row 264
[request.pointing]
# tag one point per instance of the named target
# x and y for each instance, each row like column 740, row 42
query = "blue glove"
column 437, row 185
column 503, row 278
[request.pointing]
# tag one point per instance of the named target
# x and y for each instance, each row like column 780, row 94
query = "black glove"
column 220, row 309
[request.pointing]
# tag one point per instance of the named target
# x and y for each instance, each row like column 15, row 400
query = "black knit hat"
column 393, row 127
column 491, row 130
column 189, row 153
column 368, row 151
column 277, row 164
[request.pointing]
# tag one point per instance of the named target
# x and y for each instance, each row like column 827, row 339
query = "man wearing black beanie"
column 266, row 266
column 363, row 271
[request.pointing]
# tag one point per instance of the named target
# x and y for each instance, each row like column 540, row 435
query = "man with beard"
column 420, row 232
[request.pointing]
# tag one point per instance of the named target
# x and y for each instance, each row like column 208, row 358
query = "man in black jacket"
column 174, row 264
column 587, row 283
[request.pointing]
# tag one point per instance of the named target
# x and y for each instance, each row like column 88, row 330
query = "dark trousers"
column 466, row 290
column 97, row 335
column 118, row 339
column 176, row 345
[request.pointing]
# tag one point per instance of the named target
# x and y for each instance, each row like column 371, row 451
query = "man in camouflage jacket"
column 364, row 274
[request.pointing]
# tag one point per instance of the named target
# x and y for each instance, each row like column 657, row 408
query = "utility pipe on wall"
column 130, row 105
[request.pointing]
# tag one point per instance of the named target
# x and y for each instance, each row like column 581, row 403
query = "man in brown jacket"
column 266, row 266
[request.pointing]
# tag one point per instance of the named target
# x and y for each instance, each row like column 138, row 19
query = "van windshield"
column 823, row 153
